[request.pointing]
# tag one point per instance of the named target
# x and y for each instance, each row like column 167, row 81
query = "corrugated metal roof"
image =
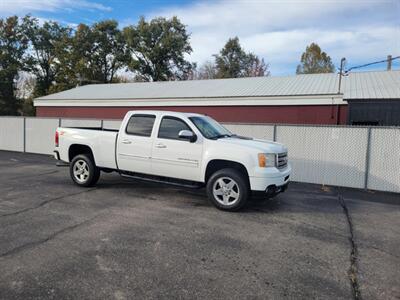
column 372, row 85
column 235, row 87
column 365, row 85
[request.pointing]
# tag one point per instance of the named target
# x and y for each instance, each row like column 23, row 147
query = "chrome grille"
column 282, row 160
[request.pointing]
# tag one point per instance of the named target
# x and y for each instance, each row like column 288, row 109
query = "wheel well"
column 77, row 149
column 219, row 164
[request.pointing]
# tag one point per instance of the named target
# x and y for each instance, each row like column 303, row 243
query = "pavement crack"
column 353, row 270
column 44, row 203
column 52, row 236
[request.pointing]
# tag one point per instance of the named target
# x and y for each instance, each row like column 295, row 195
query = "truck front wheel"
column 228, row 189
column 83, row 171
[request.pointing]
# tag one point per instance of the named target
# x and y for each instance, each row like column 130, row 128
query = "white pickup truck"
column 178, row 148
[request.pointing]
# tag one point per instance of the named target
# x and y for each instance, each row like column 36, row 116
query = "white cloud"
column 279, row 31
column 17, row 7
column 358, row 45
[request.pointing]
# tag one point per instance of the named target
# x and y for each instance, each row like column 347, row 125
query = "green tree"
column 66, row 75
column 233, row 62
column 104, row 51
column 314, row 60
column 93, row 54
column 158, row 49
column 13, row 60
column 112, row 54
column 44, row 40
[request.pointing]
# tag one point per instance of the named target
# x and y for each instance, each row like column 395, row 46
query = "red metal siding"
column 296, row 114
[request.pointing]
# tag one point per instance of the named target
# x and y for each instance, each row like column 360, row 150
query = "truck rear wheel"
column 228, row 189
column 83, row 170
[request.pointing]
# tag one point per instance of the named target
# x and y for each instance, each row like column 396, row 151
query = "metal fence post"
column 367, row 158
column 59, row 122
column 274, row 132
column 24, row 134
column 102, row 123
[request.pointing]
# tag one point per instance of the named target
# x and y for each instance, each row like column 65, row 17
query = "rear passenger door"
column 135, row 143
column 175, row 157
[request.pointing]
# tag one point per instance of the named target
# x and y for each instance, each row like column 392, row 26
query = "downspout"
column 337, row 114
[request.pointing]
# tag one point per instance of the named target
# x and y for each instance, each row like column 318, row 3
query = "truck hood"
column 260, row 145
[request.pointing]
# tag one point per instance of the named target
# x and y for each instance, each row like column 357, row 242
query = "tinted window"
column 140, row 125
column 170, row 127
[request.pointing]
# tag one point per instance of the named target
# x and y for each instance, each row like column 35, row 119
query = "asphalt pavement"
column 132, row 240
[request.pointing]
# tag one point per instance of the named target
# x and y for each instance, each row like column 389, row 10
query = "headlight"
column 266, row 160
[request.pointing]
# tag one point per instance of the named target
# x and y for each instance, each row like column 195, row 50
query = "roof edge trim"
column 242, row 101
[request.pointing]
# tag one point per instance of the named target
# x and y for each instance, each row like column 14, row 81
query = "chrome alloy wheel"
column 226, row 191
column 81, row 170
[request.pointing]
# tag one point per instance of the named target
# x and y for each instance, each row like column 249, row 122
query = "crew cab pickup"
column 178, row 148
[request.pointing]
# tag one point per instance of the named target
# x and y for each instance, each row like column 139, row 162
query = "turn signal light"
column 262, row 160
column 266, row 160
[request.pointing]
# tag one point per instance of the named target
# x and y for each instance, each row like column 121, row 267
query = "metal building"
column 373, row 98
column 299, row 99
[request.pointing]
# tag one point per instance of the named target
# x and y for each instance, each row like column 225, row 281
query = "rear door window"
column 141, row 125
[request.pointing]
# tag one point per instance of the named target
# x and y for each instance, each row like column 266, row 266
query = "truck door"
column 135, row 143
column 173, row 156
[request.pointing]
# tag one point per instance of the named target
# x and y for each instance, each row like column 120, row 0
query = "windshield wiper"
column 219, row 136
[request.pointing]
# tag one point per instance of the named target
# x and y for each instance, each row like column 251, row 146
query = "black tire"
column 93, row 172
column 241, row 187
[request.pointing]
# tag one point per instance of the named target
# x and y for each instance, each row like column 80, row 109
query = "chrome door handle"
column 161, row 146
column 126, row 142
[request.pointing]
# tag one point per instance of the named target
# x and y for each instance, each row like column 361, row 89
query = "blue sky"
column 360, row 30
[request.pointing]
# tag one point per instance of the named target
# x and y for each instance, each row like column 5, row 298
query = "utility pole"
column 389, row 62
column 342, row 61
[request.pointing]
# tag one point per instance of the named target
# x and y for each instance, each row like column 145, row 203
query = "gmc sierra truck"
column 178, row 148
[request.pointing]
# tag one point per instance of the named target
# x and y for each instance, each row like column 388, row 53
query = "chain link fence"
column 349, row 156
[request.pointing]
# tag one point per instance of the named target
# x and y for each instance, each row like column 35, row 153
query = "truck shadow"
column 299, row 198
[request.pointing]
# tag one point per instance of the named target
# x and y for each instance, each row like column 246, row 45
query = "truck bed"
column 102, row 143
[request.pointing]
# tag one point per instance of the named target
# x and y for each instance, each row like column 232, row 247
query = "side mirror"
column 187, row 135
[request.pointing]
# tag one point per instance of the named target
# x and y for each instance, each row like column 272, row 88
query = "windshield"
column 210, row 128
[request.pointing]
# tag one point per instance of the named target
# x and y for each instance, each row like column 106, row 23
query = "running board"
column 163, row 180
column 62, row 164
